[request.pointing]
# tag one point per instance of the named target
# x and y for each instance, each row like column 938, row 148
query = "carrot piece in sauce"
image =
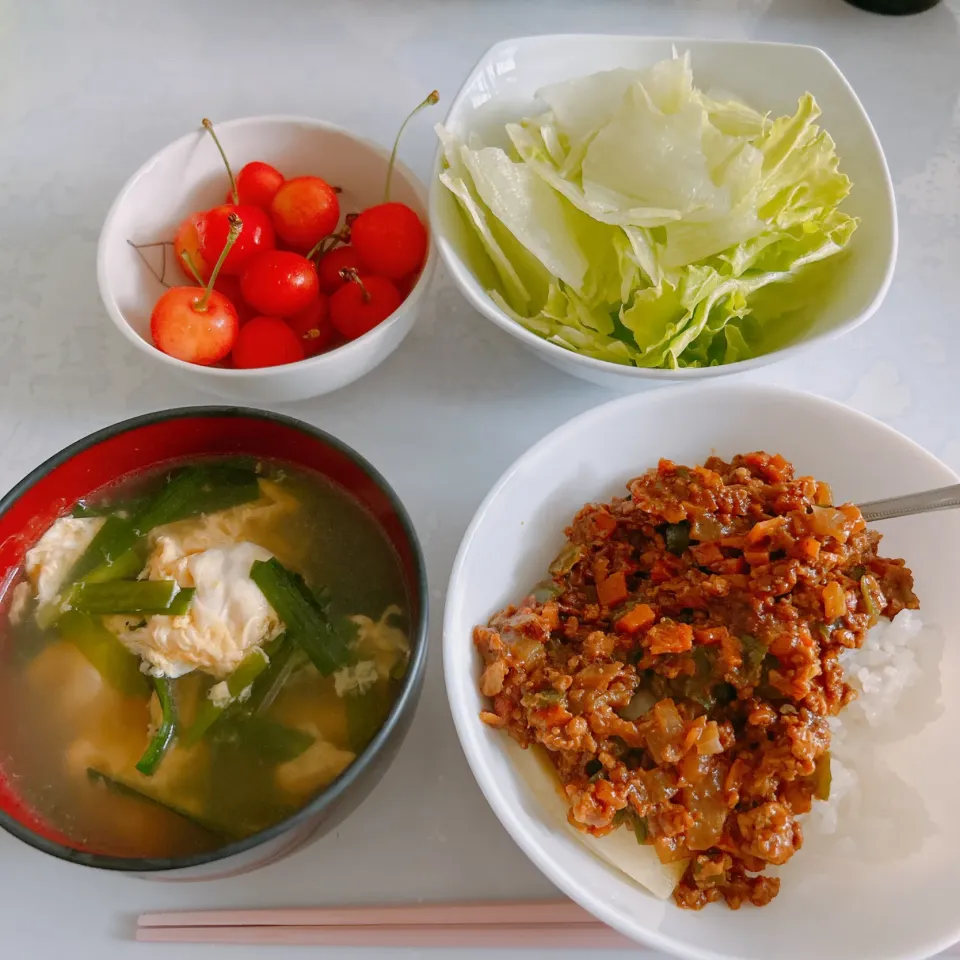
column 637, row 618
column 809, row 548
column 834, row 601
column 613, row 590
column 668, row 636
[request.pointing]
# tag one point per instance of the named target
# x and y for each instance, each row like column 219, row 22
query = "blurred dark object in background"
column 894, row 7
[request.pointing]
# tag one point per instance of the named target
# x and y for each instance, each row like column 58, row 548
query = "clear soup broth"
column 193, row 654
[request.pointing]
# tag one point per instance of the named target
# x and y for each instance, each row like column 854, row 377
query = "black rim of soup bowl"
column 405, row 702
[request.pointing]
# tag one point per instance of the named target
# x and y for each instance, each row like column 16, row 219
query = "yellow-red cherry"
column 198, row 324
column 257, row 184
column 304, row 211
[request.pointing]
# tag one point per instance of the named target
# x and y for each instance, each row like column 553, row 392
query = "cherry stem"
column 188, row 261
column 429, row 101
column 351, row 276
column 333, row 239
column 233, row 183
column 140, row 247
column 236, row 225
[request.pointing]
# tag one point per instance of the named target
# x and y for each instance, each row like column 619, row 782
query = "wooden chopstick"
column 578, row 936
column 477, row 913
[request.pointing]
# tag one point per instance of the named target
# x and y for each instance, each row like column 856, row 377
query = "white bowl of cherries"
column 289, row 280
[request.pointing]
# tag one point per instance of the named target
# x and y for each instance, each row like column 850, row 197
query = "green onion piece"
column 192, row 491
column 272, row 741
column 629, row 817
column 209, row 712
column 753, row 651
column 162, row 740
column 127, row 565
column 708, row 873
column 542, row 699
column 113, row 661
column 284, row 663
column 303, row 614
column 198, row 490
column 112, row 540
column 546, row 590
column 128, row 790
column 640, row 829
column 163, row 597
column 868, row 588
column 698, row 686
column 566, row 560
column 677, row 537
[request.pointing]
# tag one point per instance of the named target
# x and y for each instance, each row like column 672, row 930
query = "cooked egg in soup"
column 191, row 656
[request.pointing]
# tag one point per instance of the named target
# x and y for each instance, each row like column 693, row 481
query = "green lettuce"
column 643, row 221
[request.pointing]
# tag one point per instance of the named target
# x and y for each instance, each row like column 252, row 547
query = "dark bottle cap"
column 894, row 7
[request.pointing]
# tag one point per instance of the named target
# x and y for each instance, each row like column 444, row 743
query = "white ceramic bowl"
column 768, row 76
column 188, row 175
column 879, row 903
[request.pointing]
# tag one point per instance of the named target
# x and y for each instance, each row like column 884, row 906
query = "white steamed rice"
column 883, row 668
column 897, row 662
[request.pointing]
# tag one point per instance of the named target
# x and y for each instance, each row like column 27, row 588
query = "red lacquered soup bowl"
column 155, row 440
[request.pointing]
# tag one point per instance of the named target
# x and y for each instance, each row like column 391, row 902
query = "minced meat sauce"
column 680, row 666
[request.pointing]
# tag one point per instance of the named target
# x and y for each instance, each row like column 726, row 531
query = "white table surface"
column 89, row 90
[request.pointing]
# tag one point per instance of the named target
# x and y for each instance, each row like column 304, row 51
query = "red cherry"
column 330, row 265
column 257, row 183
column 186, row 248
column 313, row 326
column 358, row 306
column 279, row 283
column 390, row 240
column 230, row 288
column 257, row 235
column 407, row 283
column 304, row 211
column 182, row 329
column 266, row 342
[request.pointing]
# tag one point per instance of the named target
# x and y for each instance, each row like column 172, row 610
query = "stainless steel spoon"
column 927, row 501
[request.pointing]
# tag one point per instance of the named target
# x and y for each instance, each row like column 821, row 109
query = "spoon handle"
column 945, row 498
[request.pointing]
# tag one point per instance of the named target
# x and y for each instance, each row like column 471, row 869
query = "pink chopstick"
column 480, row 913
column 487, row 925
column 583, row 936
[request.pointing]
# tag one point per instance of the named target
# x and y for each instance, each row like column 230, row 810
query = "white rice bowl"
column 877, row 875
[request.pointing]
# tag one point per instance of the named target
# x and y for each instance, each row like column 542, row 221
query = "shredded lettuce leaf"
column 642, row 221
